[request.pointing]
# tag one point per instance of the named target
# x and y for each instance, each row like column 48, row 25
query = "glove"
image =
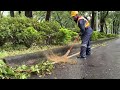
column 80, row 34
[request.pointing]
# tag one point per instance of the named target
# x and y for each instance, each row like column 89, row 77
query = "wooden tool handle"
column 76, row 39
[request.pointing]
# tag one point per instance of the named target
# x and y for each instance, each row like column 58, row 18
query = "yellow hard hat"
column 74, row 13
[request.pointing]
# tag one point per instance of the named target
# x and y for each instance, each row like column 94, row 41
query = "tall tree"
column 48, row 14
column 63, row 18
column 103, row 15
column 12, row 13
column 96, row 28
column 93, row 20
column 114, row 21
column 1, row 14
column 28, row 14
column 19, row 12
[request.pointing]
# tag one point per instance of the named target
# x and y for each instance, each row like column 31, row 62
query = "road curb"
column 40, row 56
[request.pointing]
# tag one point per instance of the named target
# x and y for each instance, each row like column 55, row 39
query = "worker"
column 85, row 34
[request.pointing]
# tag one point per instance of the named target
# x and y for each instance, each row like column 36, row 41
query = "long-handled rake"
column 64, row 58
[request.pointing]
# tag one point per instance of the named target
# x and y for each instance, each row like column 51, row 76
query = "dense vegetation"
column 43, row 28
column 53, row 27
column 24, row 71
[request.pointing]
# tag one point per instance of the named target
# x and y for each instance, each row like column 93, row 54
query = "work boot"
column 88, row 51
column 83, row 52
column 84, row 58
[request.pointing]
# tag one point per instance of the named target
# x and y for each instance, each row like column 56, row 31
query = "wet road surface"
column 104, row 63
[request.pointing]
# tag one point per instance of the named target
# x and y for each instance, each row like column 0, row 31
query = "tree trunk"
column 19, row 12
column 48, row 16
column 106, row 27
column 0, row 14
column 96, row 20
column 12, row 13
column 111, row 29
column 101, row 28
column 114, row 27
column 103, row 16
column 101, row 25
column 92, row 20
column 28, row 14
column 117, row 27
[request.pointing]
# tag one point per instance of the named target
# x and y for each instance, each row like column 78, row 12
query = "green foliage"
column 28, row 36
column 14, row 29
column 101, row 35
column 111, row 35
column 65, row 36
column 98, row 35
column 52, row 33
column 23, row 72
column 4, row 31
column 18, row 27
column 63, row 18
column 6, row 72
column 49, row 31
column 95, row 35
column 25, row 31
column 76, row 29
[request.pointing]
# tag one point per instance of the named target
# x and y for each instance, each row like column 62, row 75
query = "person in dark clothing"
column 85, row 34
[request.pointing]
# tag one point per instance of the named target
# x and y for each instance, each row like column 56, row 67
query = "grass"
column 104, row 38
column 7, row 50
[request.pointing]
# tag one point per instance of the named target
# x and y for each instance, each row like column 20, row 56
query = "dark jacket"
column 83, row 30
column 81, row 24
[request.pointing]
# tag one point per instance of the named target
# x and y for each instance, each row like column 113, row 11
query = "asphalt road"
column 104, row 63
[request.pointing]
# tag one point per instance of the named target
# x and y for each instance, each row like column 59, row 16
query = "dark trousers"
column 86, row 43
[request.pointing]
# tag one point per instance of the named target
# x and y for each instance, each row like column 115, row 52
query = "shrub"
column 28, row 36
column 65, row 35
column 76, row 29
column 22, row 31
column 111, row 35
column 3, row 36
column 101, row 35
column 4, row 31
column 48, row 31
column 98, row 35
column 26, row 31
column 14, row 29
column 95, row 35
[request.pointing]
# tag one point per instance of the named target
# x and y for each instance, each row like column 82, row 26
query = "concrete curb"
column 40, row 56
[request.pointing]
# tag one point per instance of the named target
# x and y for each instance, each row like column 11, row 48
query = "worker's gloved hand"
column 80, row 34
